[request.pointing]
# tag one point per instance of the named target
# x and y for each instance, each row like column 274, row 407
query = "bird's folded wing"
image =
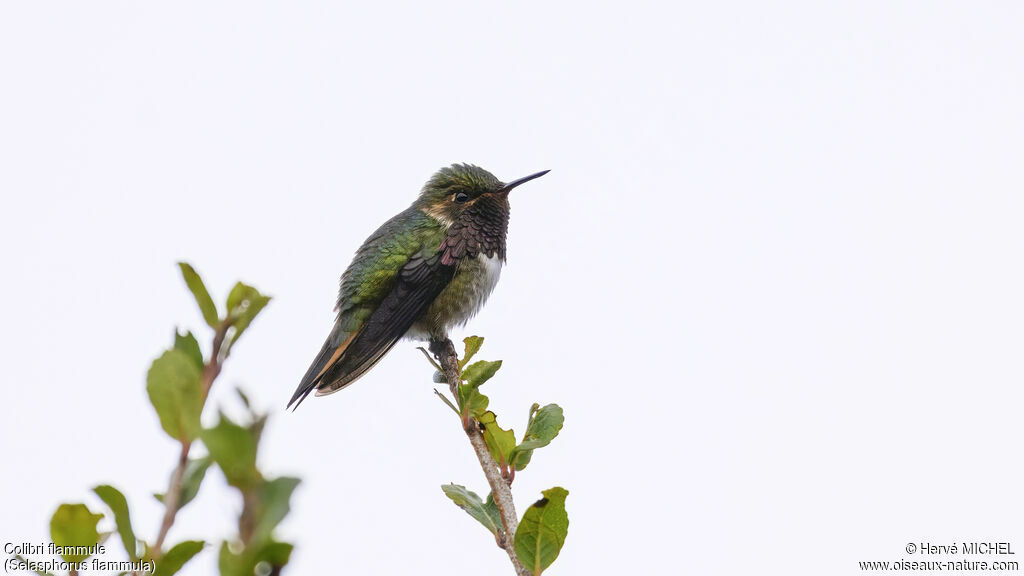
column 417, row 284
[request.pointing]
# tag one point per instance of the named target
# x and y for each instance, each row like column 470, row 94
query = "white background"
column 774, row 276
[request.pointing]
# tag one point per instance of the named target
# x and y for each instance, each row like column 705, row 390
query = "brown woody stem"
column 172, row 498
column 500, row 488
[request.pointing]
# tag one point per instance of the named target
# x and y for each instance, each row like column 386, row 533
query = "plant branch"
column 500, row 488
column 172, row 498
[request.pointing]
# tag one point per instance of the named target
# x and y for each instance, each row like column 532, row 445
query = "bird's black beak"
column 508, row 187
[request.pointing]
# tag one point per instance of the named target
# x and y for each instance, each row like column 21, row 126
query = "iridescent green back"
column 373, row 271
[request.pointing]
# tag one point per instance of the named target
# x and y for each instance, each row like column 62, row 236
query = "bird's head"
column 461, row 189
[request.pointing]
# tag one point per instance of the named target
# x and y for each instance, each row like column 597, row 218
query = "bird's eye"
column 461, row 197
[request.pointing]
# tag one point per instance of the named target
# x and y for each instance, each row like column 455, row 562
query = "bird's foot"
column 436, row 348
column 441, row 348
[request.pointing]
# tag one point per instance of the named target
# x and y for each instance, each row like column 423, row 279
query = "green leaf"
column 484, row 513
column 244, row 304
column 118, row 505
column 275, row 553
column 202, row 296
column 175, row 390
column 471, row 401
column 231, row 564
column 233, row 448
column 237, row 297
column 491, row 507
column 473, row 344
column 520, row 457
column 171, row 562
column 544, row 425
column 74, row 525
column 187, row 343
column 479, row 372
column 195, row 471
column 275, row 506
column 244, row 563
column 499, row 441
column 542, row 531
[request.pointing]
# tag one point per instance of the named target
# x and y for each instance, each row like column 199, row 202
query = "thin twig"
column 172, row 498
column 500, row 488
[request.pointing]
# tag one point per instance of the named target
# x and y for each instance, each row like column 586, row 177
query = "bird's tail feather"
column 328, row 357
column 342, row 375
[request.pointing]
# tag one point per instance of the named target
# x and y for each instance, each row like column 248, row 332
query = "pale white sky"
column 774, row 277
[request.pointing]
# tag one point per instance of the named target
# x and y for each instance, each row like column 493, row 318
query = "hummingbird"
column 429, row 268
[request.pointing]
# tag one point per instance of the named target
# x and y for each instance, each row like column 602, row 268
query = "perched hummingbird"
column 429, row 268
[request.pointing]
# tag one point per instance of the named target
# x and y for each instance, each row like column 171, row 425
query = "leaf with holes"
column 499, row 441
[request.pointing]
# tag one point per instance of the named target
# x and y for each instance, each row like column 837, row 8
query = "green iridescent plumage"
column 427, row 269
column 374, row 269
